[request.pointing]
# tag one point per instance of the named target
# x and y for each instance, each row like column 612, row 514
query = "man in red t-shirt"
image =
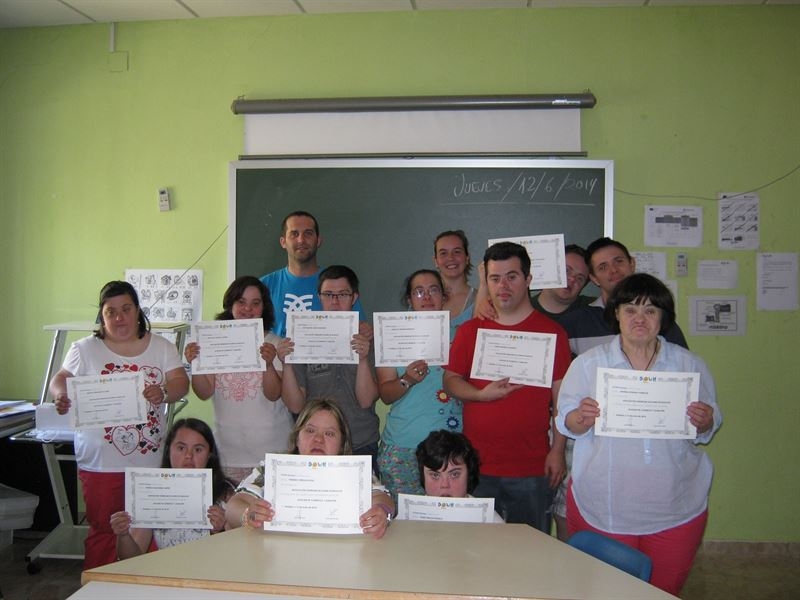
column 509, row 423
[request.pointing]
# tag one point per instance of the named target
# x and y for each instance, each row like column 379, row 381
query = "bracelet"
column 388, row 511
column 405, row 383
column 243, row 521
column 164, row 391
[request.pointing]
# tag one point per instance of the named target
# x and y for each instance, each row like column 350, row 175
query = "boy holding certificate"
column 509, row 423
column 352, row 387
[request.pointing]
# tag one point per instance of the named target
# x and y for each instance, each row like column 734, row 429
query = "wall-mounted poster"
column 169, row 295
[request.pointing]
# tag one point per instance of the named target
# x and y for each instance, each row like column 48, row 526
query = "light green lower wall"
column 691, row 102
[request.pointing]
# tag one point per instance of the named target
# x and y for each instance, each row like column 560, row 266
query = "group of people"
column 446, row 433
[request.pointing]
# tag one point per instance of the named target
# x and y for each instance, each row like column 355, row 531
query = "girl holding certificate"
column 190, row 445
column 320, row 430
column 645, row 490
column 122, row 344
column 418, row 402
column 250, row 417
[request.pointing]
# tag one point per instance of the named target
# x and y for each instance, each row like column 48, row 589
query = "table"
column 66, row 541
column 16, row 416
column 416, row 560
column 103, row 590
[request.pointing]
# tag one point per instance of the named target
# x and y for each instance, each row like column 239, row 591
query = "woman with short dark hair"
column 646, row 491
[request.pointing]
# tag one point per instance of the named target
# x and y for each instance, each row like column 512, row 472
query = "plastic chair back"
column 615, row 553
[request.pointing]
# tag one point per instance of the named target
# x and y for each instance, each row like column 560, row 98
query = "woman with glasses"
column 418, row 403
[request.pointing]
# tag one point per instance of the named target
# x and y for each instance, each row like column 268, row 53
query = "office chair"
column 615, row 553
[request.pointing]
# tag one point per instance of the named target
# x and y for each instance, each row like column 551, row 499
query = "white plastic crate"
column 16, row 512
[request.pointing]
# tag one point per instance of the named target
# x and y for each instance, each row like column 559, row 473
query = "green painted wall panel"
column 691, row 102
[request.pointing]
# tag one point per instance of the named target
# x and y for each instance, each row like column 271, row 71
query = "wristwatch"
column 388, row 512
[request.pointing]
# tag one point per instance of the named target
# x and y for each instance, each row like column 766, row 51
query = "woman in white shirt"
column 320, row 430
column 648, row 492
column 250, row 418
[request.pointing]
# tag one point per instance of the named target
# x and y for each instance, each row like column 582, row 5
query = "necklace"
column 650, row 362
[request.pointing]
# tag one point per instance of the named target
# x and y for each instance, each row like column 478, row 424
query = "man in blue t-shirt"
column 294, row 287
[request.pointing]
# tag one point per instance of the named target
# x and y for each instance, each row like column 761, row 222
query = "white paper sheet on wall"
column 717, row 315
column 717, row 274
column 677, row 226
column 169, row 295
column 777, row 281
column 739, row 221
column 654, row 263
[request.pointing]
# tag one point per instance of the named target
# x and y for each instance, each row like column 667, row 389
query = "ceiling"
column 40, row 13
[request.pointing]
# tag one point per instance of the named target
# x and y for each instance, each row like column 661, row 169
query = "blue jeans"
column 519, row 499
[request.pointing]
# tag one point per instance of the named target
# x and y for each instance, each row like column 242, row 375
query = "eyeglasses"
column 580, row 278
column 431, row 292
column 336, row 295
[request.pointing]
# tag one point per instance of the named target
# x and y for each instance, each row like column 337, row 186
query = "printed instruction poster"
column 739, row 221
column 678, row 226
column 717, row 315
column 169, row 295
column 777, row 281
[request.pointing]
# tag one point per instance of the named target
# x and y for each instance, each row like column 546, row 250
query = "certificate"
column 229, row 346
column 317, row 494
column 322, row 337
column 106, row 400
column 548, row 261
column 522, row 356
column 174, row 498
column 645, row 404
column 403, row 337
column 433, row 508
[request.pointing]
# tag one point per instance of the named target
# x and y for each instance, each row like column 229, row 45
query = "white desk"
column 103, row 590
column 415, row 560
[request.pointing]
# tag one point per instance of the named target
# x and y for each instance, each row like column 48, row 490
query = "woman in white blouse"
column 648, row 492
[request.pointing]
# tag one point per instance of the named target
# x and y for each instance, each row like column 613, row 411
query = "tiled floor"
column 57, row 579
column 718, row 574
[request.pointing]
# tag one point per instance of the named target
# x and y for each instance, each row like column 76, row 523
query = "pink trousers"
column 671, row 550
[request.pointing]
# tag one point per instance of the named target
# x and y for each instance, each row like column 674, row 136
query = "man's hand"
column 498, row 389
column 555, row 467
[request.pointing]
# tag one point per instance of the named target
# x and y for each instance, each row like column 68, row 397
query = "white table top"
column 415, row 560
column 103, row 590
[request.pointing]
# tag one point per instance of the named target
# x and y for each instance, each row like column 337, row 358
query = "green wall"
column 690, row 102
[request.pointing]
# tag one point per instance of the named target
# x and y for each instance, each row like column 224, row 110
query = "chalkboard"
column 380, row 216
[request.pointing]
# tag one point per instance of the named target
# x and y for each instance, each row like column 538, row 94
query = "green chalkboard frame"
column 380, row 215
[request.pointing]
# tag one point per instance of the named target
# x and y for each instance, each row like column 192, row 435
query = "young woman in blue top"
column 451, row 257
column 418, row 402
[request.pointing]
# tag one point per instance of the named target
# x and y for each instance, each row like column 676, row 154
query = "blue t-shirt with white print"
column 292, row 293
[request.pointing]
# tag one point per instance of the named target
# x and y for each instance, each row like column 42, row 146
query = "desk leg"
column 67, row 539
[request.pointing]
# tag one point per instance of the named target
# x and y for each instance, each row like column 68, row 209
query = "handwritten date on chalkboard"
column 539, row 187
